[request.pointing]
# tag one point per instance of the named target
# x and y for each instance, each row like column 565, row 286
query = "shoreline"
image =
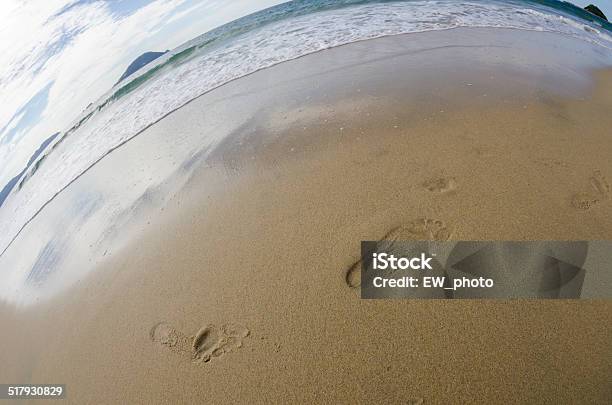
column 468, row 29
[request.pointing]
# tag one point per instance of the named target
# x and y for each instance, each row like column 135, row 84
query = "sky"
column 57, row 56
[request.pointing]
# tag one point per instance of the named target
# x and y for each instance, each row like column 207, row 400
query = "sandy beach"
column 226, row 281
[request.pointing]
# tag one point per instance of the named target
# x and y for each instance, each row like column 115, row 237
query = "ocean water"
column 261, row 40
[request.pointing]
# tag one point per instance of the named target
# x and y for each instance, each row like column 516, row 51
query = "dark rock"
column 139, row 62
column 595, row 10
column 6, row 190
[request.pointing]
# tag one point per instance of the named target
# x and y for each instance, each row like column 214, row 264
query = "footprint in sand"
column 600, row 190
column 210, row 341
column 420, row 229
column 440, row 185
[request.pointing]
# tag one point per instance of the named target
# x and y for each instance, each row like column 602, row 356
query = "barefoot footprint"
column 210, row 341
column 600, row 191
column 419, row 229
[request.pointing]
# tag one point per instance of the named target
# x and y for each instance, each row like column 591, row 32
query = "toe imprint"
column 441, row 184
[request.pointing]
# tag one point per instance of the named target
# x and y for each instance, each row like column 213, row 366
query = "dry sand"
column 235, row 290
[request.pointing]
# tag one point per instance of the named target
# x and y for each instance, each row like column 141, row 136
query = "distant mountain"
column 13, row 182
column 139, row 62
column 595, row 10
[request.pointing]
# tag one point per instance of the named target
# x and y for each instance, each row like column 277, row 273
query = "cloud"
column 81, row 48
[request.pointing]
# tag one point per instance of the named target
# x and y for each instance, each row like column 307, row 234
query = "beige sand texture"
column 237, row 289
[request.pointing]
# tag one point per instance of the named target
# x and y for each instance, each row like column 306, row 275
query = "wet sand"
column 231, row 287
